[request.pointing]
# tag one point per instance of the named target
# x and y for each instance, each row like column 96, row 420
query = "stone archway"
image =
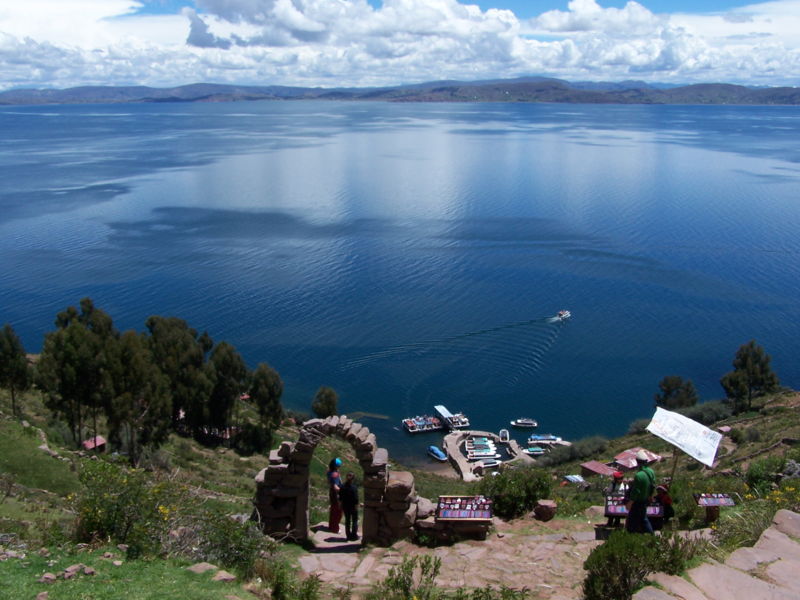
column 391, row 504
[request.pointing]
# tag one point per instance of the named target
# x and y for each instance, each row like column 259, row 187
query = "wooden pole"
column 674, row 465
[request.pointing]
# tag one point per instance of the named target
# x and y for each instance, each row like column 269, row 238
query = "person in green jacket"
column 641, row 494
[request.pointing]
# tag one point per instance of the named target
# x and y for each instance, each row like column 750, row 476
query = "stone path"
column 770, row 570
column 524, row 553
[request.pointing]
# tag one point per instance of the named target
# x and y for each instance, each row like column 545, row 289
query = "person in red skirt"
column 334, row 485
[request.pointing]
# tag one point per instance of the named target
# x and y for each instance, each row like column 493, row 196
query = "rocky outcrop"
column 391, row 504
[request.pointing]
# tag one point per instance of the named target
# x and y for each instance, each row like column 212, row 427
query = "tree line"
column 142, row 386
column 752, row 376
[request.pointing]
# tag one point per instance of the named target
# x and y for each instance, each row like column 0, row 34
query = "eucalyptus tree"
column 74, row 367
column 266, row 389
column 14, row 369
column 752, row 376
column 325, row 403
column 230, row 381
column 180, row 354
column 140, row 410
column 675, row 393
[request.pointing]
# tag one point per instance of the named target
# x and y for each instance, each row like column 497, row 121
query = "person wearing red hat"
column 615, row 489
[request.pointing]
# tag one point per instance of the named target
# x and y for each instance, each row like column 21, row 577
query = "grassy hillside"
column 38, row 495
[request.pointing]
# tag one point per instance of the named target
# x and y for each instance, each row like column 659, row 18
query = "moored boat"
column 422, row 423
column 505, row 437
column 451, row 421
column 437, row 454
column 482, row 455
column 534, row 451
column 525, row 422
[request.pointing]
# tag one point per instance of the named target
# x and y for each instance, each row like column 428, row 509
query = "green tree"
column 266, row 389
column 676, row 393
column 181, row 355
column 14, row 370
column 230, row 380
column 752, row 376
column 140, row 415
column 325, row 402
column 73, row 369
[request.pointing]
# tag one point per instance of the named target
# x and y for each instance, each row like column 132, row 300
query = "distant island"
column 527, row 89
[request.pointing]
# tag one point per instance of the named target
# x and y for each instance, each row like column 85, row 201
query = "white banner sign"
column 697, row 440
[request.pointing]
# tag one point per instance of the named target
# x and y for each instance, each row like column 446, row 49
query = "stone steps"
column 767, row 571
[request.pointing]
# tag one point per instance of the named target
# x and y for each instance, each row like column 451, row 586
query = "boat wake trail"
column 507, row 354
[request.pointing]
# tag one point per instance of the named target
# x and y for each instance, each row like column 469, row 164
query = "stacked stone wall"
column 391, row 503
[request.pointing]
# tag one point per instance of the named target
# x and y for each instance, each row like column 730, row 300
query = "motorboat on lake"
column 437, row 454
column 505, row 437
column 525, row 422
column 563, row 315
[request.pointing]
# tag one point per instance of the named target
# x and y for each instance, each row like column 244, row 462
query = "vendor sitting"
column 663, row 498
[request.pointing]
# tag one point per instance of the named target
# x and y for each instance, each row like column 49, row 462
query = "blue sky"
column 525, row 9
column 329, row 43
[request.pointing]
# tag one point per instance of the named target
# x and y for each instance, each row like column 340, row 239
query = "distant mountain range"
column 527, row 89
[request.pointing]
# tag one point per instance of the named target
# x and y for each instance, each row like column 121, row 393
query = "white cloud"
column 348, row 42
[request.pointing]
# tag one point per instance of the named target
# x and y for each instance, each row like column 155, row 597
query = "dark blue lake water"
column 410, row 254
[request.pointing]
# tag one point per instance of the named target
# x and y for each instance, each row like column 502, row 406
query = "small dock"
column 473, row 471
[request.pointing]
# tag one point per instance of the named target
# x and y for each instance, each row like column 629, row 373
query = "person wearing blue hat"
column 334, row 485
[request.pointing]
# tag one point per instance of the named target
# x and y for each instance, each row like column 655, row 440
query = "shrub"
column 591, row 446
column 763, row 474
column 752, row 434
column 226, row 541
column 708, row 413
column 276, row 574
column 619, row 567
column 515, row 491
column 414, row 578
column 124, row 505
column 490, row 593
column 638, row 426
column 737, row 435
column 743, row 526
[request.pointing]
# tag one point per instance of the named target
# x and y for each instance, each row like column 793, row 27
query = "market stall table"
column 465, row 515
column 712, row 502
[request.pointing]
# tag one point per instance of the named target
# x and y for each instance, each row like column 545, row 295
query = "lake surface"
column 411, row 254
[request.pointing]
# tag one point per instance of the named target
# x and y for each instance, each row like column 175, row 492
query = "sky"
column 363, row 43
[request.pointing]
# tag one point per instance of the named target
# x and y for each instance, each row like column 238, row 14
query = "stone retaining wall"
column 391, row 503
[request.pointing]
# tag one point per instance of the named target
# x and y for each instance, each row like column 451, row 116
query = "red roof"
column 94, row 442
column 627, row 458
column 598, row 468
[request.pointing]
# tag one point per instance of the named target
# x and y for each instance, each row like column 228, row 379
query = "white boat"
column 534, row 451
column 482, row 456
column 505, row 437
column 525, row 422
column 490, row 463
column 563, row 315
column 451, row 421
